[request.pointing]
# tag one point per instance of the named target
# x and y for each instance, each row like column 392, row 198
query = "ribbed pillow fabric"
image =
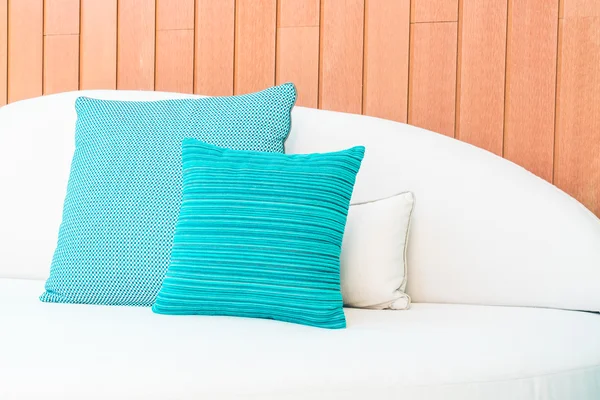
column 259, row 235
column 124, row 190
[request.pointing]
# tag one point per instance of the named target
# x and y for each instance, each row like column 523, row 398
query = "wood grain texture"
column 213, row 74
column 98, row 45
column 298, row 62
column 3, row 51
column 61, row 17
column 481, row 67
column 174, row 14
column 135, row 48
column 434, row 10
column 341, row 57
column 577, row 155
column 298, row 13
column 61, row 63
column 25, row 44
column 432, row 91
column 531, row 85
column 255, row 35
column 579, row 8
column 175, row 61
column 385, row 82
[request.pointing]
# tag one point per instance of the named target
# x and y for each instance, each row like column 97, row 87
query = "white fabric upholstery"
column 484, row 230
column 430, row 352
column 373, row 259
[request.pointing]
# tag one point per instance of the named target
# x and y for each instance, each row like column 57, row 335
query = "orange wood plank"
column 174, row 14
column 135, row 48
column 531, row 85
column 61, row 17
column 3, row 50
column 61, row 63
column 341, row 69
column 434, row 10
column 213, row 74
column 481, row 68
column 298, row 62
column 98, row 61
column 25, row 43
column 298, row 13
column 385, row 83
column 579, row 8
column 175, row 61
column 254, row 45
column 432, row 91
column 577, row 154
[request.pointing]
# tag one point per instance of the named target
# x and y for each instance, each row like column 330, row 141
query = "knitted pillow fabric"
column 260, row 235
column 124, row 189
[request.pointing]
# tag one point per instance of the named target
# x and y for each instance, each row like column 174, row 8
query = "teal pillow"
column 124, row 190
column 260, row 235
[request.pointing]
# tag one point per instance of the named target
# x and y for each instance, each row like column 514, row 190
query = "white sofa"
column 497, row 258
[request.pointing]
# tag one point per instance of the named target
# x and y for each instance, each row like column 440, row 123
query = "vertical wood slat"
column 98, row 45
column 432, row 86
column 25, row 43
column 61, row 63
column 174, row 14
column 136, row 44
column 531, row 85
column 577, row 151
column 434, row 11
column 297, row 58
column 341, row 55
column 255, row 33
column 175, row 46
column 579, row 8
column 481, row 68
column 61, row 17
column 3, row 50
column 175, row 61
column 213, row 74
column 385, row 82
column 298, row 13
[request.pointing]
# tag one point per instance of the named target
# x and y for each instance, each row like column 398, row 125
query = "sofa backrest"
column 484, row 231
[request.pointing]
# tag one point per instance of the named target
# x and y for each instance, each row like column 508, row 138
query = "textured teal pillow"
column 124, row 190
column 260, row 235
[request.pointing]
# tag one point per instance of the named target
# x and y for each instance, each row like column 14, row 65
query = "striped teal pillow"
column 124, row 190
column 260, row 234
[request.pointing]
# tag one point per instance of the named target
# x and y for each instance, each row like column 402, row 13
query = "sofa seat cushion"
column 432, row 351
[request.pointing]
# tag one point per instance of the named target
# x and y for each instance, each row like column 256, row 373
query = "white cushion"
column 430, row 352
column 373, row 260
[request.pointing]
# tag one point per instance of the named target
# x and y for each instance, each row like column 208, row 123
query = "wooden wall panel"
column 61, row 17
column 213, row 74
column 3, row 50
column 61, row 63
column 255, row 32
column 579, row 8
column 434, row 10
column 297, row 58
column 385, row 82
column 25, row 47
column 98, row 45
column 298, row 13
column 298, row 62
column 432, row 86
column 341, row 57
column 175, row 61
column 481, row 67
column 174, row 14
column 577, row 157
column 135, row 46
column 531, row 85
